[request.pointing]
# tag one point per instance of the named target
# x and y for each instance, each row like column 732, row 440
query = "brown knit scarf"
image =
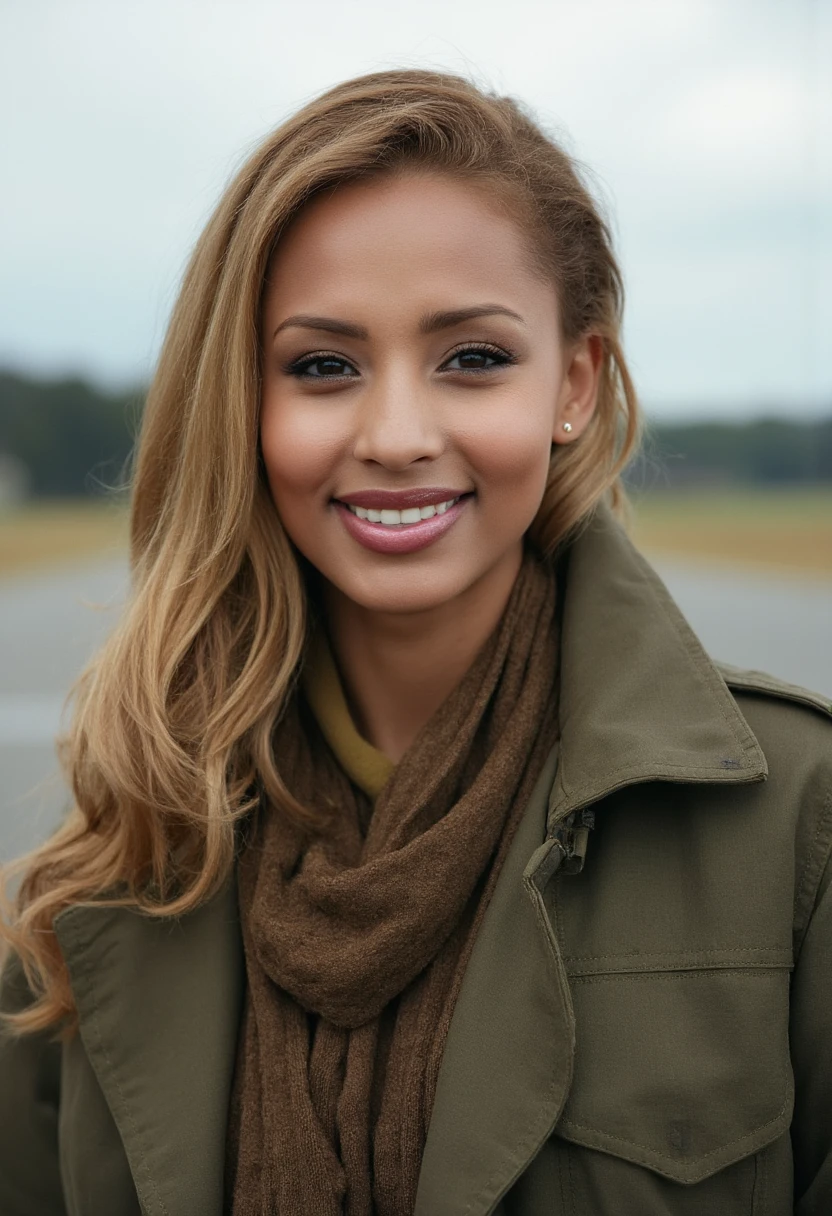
column 356, row 941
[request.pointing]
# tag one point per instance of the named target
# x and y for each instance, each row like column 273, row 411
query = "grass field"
column 51, row 533
column 790, row 530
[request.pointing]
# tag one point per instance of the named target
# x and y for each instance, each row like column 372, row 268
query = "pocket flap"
column 684, row 1072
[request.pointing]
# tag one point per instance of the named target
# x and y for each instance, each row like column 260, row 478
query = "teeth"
column 392, row 519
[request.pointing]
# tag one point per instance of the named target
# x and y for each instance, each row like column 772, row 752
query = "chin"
column 397, row 593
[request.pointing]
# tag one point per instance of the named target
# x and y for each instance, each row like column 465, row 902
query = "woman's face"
column 408, row 346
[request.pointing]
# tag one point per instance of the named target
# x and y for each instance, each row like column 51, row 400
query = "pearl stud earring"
column 567, row 426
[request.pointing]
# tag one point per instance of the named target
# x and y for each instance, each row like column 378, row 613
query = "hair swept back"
column 170, row 739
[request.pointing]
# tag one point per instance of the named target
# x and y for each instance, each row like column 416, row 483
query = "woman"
column 420, row 858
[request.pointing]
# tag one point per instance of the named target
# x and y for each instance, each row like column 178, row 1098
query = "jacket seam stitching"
column 646, row 954
column 666, row 976
column 645, row 1148
column 709, row 771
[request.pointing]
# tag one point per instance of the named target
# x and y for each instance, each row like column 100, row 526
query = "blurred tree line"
column 759, row 452
column 65, row 439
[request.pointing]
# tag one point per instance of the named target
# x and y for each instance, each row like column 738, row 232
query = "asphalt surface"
column 49, row 627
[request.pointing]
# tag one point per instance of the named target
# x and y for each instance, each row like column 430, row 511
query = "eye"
column 322, row 366
column 484, row 358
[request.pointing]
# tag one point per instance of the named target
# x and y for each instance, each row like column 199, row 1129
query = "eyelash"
column 298, row 367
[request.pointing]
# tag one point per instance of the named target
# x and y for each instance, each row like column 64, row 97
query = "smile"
column 399, row 532
column 396, row 519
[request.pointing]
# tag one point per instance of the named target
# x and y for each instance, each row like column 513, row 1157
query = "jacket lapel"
column 507, row 1063
column 639, row 701
column 159, row 1004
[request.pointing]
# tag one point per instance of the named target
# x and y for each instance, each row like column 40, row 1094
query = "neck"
column 398, row 667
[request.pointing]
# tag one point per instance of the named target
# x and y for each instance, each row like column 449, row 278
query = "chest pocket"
column 682, row 1091
column 681, row 1071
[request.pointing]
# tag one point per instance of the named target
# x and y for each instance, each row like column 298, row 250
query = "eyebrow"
column 430, row 323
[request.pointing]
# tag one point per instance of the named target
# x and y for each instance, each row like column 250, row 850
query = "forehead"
column 420, row 236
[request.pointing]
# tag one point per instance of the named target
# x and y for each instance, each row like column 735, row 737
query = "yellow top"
column 368, row 767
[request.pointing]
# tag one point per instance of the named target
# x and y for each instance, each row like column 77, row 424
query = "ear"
column 579, row 389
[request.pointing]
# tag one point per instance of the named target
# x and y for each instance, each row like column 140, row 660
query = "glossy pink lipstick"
column 400, row 538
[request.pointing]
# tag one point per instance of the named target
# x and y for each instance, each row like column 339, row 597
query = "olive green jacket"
column 645, row 1025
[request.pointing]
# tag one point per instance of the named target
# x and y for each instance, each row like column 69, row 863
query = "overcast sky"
column 707, row 125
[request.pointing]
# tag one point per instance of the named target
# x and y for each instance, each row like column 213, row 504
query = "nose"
column 397, row 422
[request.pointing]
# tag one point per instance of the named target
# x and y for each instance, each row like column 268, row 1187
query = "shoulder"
column 793, row 726
column 759, row 683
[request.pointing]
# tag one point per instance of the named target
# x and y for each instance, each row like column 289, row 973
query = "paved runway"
column 48, row 629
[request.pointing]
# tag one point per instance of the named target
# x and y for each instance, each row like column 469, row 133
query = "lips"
column 400, row 500
column 402, row 538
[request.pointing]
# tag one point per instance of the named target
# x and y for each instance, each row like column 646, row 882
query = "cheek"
column 511, row 452
column 300, row 449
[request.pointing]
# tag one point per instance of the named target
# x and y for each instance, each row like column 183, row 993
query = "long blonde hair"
column 170, row 740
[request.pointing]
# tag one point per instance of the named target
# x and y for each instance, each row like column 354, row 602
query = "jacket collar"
column 159, row 1003
column 640, row 700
